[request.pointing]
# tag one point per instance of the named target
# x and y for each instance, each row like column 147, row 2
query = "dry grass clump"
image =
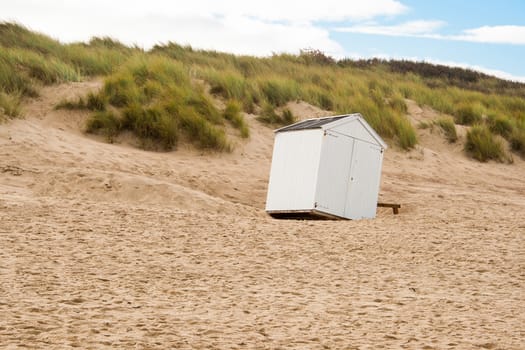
column 9, row 105
column 278, row 91
column 106, row 122
column 15, row 35
column 406, row 136
column 156, row 100
column 13, row 78
column 319, row 97
column 233, row 114
column 94, row 102
column 500, row 125
column 483, row 146
column 517, row 141
column 153, row 125
column 449, row 128
column 425, row 125
column 467, row 114
column 271, row 117
column 23, row 68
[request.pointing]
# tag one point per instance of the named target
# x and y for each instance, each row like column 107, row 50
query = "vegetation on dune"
column 467, row 114
column 9, row 105
column 153, row 97
column 270, row 116
column 449, row 128
column 500, row 125
column 233, row 114
column 162, row 95
column 517, row 141
column 482, row 144
column 92, row 101
column 29, row 59
column 501, row 114
column 436, row 75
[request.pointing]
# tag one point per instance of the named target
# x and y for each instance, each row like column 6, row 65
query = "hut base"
column 303, row 215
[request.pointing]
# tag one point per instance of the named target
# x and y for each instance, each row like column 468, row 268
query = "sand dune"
column 108, row 246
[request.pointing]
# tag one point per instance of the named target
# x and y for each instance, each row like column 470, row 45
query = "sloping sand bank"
column 108, row 246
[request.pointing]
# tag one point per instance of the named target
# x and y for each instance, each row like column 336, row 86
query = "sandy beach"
column 110, row 246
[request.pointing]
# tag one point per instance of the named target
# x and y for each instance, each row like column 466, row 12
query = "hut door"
column 363, row 184
column 334, row 170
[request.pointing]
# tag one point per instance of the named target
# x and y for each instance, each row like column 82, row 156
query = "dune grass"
column 517, row 141
column 154, row 98
column 232, row 113
column 467, row 114
column 29, row 59
column 269, row 116
column 482, row 144
column 106, row 122
column 449, row 128
column 500, row 125
column 270, row 83
column 162, row 94
column 94, row 102
column 9, row 105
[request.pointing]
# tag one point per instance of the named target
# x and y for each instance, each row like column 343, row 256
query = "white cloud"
column 238, row 26
column 244, row 35
column 411, row 28
column 494, row 34
column 240, row 35
column 268, row 10
column 508, row 34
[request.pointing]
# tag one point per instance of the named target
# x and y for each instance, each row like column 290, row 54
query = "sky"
column 485, row 35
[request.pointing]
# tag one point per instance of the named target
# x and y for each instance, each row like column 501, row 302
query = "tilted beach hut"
column 326, row 167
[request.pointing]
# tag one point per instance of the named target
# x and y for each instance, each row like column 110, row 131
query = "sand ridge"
column 108, row 246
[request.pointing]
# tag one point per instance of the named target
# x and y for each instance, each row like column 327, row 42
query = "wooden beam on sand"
column 395, row 207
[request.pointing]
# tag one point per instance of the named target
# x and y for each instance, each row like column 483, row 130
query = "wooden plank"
column 395, row 207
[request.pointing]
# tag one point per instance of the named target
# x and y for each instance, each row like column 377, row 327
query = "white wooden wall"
column 295, row 165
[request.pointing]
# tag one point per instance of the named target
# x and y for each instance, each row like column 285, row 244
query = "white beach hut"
column 326, row 167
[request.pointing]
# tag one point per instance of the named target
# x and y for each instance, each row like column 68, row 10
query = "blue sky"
column 451, row 19
column 484, row 35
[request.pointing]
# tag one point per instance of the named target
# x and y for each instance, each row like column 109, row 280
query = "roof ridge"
column 312, row 123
